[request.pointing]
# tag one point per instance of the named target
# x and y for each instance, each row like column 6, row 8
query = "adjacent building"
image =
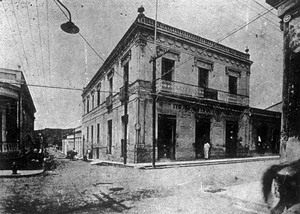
column 201, row 94
column 73, row 142
column 16, row 114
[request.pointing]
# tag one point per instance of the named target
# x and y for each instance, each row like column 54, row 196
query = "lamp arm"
column 66, row 9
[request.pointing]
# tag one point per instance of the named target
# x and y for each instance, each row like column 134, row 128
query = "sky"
column 31, row 39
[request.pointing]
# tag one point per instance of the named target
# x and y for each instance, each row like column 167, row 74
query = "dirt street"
column 79, row 187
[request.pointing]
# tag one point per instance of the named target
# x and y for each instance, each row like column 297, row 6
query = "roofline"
column 273, row 105
column 23, row 83
column 143, row 21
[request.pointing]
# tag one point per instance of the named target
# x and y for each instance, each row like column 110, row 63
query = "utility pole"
column 126, row 73
column 154, row 90
column 289, row 13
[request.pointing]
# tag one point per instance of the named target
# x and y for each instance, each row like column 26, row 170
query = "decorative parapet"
column 192, row 37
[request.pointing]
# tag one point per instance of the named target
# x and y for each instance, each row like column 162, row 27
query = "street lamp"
column 68, row 27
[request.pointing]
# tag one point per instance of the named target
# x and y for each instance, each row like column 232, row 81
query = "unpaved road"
column 79, row 187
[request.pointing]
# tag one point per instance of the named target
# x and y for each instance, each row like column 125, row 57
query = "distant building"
column 16, row 114
column 202, row 94
column 52, row 137
column 73, row 142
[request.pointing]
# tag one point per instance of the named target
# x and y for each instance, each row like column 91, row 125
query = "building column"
column 289, row 13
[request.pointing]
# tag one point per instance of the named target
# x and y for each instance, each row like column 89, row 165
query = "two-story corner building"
column 16, row 114
column 202, row 94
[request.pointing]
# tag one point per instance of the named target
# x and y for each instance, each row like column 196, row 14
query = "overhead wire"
column 58, row 87
column 79, row 32
column 40, row 38
column 48, row 39
column 85, row 38
column 265, row 8
column 223, row 38
column 19, row 32
column 10, row 28
column 275, row 24
column 258, row 30
column 32, row 40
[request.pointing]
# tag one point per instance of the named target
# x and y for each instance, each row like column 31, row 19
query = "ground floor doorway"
column 262, row 144
column 231, row 138
column 202, row 135
column 166, row 136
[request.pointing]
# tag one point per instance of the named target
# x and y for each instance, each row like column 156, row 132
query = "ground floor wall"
column 181, row 131
column 265, row 135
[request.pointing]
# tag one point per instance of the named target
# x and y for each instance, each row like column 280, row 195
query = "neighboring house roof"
column 276, row 107
column 16, row 78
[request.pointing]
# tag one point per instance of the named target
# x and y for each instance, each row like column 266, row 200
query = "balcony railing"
column 182, row 89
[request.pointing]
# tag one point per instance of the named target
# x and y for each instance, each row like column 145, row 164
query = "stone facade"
column 202, row 94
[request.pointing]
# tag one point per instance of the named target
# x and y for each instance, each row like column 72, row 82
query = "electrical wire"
column 32, row 40
column 48, row 38
column 80, row 33
column 223, row 38
column 265, row 8
column 57, row 87
column 275, row 24
column 40, row 38
column 10, row 28
column 258, row 30
column 85, row 39
column 19, row 31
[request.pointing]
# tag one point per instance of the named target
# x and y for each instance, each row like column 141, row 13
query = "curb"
column 160, row 165
column 20, row 175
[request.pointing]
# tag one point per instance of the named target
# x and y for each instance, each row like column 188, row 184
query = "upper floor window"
column 110, row 76
column 93, row 101
column 203, row 77
column 98, row 97
column 167, row 69
column 98, row 132
column 126, row 72
column 110, row 82
column 88, row 104
column 232, row 85
column 204, row 67
column 233, row 76
column 84, row 108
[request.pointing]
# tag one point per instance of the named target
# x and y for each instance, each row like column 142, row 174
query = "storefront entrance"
column 166, row 136
column 231, row 138
column 202, row 134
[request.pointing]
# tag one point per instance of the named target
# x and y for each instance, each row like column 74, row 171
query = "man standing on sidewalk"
column 206, row 150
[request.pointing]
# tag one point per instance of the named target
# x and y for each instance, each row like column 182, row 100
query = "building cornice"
column 135, row 34
column 207, row 44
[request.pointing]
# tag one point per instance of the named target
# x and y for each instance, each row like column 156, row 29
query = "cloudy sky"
column 31, row 38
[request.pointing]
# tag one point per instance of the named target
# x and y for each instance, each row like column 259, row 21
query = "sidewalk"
column 172, row 164
column 20, row 173
column 147, row 166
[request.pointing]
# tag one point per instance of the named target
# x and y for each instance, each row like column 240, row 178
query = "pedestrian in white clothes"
column 206, row 150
